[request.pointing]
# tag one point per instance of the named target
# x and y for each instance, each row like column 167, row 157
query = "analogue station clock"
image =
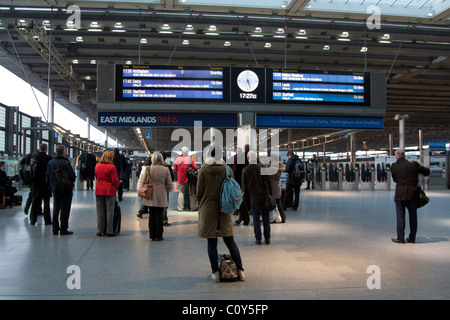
column 248, row 81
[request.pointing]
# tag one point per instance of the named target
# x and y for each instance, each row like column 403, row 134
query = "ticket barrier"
column 353, row 177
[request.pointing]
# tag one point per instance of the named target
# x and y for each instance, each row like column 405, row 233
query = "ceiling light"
column 128, row 62
column 189, row 29
column 280, row 30
column 94, row 29
column 301, row 37
column 386, row 36
column 88, row 77
column 227, row 44
column 79, row 39
column 165, row 26
column 185, row 42
column 94, row 24
column 118, row 25
column 302, row 32
column 258, row 29
column 212, row 28
column 75, row 61
column 363, row 49
column 326, row 47
column 118, row 30
column 93, row 61
column 430, row 13
column 143, row 40
column 267, row 45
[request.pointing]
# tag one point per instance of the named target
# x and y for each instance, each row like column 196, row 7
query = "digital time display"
column 172, row 83
column 318, row 87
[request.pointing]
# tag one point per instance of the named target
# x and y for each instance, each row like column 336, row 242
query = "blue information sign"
column 328, row 122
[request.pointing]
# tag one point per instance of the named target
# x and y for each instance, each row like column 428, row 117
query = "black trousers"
column 412, row 210
column 61, row 211
column 155, row 223
column 243, row 213
column 291, row 196
column 38, row 196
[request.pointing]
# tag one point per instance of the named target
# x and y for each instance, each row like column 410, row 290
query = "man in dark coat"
column 240, row 161
column 254, row 194
column 62, row 200
column 121, row 164
column 88, row 162
column 39, row 189
column 292, row 195
column 406, row 174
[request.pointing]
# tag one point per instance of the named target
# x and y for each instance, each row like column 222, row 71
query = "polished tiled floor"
column 323, row 251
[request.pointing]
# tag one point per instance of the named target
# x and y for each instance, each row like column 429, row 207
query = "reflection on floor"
column 325, row 250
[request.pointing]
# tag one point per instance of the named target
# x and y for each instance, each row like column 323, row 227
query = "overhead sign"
column 327, row 122
column 318, row 87
column 156, row 119
column 172, row 83
column 437, row 145
column 241, row 85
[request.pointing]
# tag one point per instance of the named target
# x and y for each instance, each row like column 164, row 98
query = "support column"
column 420, row 147
column 106, row 138
column 353, row 147
column 390, row 144
column 51, row 105
column 88, row 128
column 401, row 128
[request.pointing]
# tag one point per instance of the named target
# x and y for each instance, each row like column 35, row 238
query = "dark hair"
column 60, row 149
column 43, row 147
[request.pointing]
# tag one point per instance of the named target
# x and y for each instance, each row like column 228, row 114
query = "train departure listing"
column 172, row 83
column 300, row 86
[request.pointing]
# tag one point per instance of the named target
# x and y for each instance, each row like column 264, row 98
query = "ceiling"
column 408, row 40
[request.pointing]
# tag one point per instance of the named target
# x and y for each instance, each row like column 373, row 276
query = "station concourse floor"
column 323, row 252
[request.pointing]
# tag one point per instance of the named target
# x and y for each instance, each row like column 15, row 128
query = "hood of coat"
column 212, row 165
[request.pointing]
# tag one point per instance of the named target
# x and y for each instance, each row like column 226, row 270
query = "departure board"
column 172, row 83
column 317, row 87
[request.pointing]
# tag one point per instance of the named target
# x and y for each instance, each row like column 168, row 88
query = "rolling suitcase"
column 117, row 219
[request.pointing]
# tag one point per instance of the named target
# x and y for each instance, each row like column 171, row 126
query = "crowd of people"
column 54, row 177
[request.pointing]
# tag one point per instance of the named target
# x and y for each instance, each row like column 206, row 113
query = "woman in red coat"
column 105, row 193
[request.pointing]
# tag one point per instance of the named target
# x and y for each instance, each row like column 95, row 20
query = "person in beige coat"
column 159, row 177
column 211, row 222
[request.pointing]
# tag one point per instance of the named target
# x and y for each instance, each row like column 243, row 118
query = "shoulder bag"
column 423, row 198
column 146, row 191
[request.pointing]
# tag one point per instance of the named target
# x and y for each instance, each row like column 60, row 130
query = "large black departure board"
column 291, row 86
column 172, row 83
column 242, row 85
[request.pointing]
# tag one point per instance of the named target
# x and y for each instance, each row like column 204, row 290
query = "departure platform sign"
column 172, row 83
column 293, row 86
column 238, row 85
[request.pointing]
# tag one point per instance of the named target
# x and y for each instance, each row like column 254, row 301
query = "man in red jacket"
column 181, row 166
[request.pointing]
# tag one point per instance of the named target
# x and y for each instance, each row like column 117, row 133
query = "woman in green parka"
column 211, row 222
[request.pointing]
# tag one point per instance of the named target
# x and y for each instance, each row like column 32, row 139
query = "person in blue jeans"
column 254, row 194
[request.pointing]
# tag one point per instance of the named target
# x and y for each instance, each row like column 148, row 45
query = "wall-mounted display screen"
column 317, row 87
column 172, row 83
column 245, row 85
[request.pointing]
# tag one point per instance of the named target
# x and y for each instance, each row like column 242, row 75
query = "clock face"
column 248, row 81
